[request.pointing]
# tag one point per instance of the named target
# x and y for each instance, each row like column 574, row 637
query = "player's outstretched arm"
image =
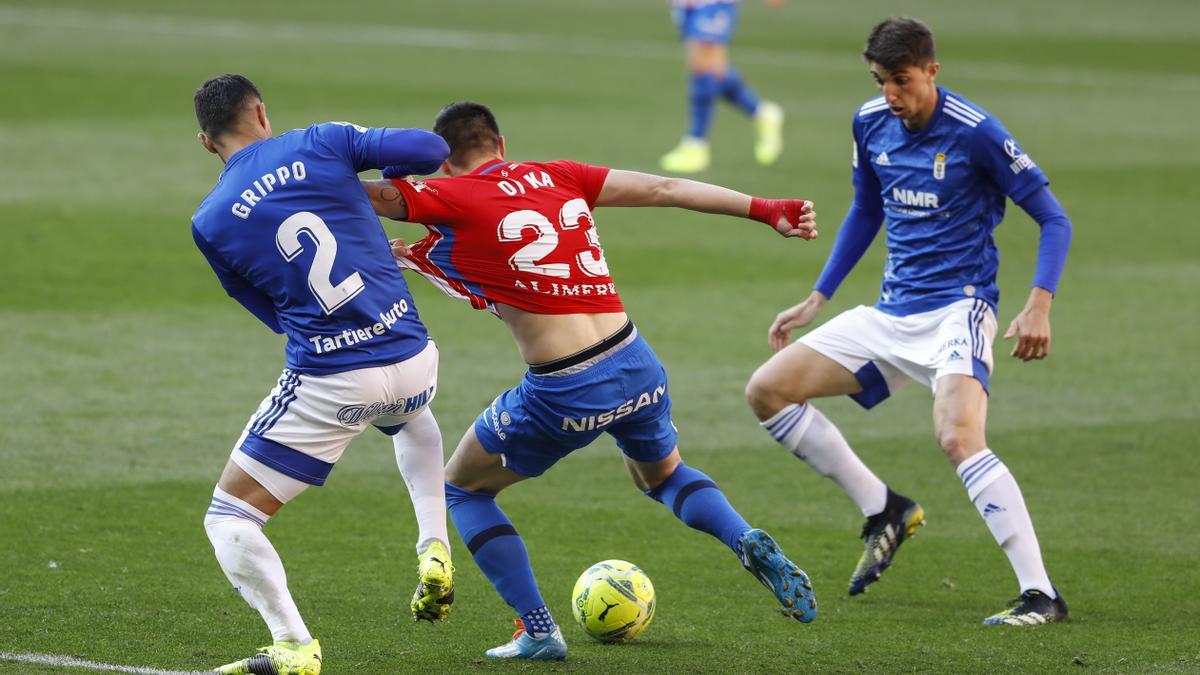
column 789, row 217
column 386, row 199
column 1031, row 327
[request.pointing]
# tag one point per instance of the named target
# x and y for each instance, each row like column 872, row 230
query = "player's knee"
column 766, row 396
column 959, row 441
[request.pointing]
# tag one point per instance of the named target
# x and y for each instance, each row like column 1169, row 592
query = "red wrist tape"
column 769, row 210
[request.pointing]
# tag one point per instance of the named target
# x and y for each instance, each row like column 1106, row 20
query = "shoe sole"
column 914, row 518
column 781, row 576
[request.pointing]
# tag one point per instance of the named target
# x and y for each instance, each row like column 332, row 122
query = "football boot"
column 690, row 156
column 883, row 533
column 549, row 647
column 281, row 658
column 768, row 123
column 435, row 586
column 791, row 586
column 1032, row 608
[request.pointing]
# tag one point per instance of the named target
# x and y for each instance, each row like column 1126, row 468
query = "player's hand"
column 774, row 4
column 789, row 217
column 1032, row 328
column 792, row 318
column 400, row 249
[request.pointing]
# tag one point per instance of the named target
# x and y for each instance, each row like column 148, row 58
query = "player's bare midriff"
column 549, row 337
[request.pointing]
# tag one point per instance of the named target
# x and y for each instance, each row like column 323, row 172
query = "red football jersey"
column 518, row 233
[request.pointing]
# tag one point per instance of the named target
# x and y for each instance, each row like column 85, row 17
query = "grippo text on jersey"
column 265, row 185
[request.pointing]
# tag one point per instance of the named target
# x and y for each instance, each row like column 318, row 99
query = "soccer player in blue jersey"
column 292, row 236
column 937, row 169
column 706, row 27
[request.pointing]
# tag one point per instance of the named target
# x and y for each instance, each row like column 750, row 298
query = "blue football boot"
column 551, row 647
column 791, row 586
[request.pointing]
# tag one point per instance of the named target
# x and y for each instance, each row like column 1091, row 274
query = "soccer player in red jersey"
column 518, row 238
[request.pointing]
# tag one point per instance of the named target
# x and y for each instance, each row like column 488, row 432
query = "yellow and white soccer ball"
column 613, row 601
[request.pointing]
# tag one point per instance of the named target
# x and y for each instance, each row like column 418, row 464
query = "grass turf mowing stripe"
column 491, row 41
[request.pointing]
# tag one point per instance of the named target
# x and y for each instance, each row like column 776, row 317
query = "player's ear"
column 932, row 68
column 445, row 168
column 500, row 147
column 260, row 111
column 206, row 142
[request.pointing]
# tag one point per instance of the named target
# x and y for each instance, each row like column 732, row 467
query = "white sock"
column 995, row 494
column 419, row 456
column 809, row 435
column 251, row 564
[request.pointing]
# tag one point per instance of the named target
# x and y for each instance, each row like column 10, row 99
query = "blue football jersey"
column 292, row 235
column 943, row 190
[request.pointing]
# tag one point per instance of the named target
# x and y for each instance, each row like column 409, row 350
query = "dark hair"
column 220, row 100
column 467, row 127
column 899, row 42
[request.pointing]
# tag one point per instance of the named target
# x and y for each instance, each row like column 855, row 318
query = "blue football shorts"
column 621, row 391
column 713, row 22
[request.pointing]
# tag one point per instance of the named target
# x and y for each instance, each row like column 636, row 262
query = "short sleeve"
column 430, row 202
column 998, row 156
column 357, row 144
column 589, row 177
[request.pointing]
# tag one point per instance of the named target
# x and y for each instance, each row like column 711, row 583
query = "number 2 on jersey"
column 287, row 238
column 513, row 226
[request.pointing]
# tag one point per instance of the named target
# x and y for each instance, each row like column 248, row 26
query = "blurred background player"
column 706, row 27
column 293, row 238
column 937, row 168
column 518, row 238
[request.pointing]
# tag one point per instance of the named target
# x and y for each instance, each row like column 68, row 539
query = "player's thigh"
column 797, row 374
column 473, row 468
column 235, row 481
column 960, row 416
column 649, row 475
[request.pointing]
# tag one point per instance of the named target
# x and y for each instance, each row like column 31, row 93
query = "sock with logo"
column 696, row 500
column 252, row 565
column 809, row 435
column 419, row 455
column 995, row 494
column 735, row 90
column 497, row 548
column 702, row 94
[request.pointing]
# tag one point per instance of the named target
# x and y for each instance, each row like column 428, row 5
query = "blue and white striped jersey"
column 943, row 190
column 292, row 236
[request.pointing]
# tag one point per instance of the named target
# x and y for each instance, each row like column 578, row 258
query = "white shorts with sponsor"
column 302, row 428
column 886, row 352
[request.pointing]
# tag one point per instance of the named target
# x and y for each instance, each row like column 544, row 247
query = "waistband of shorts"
column 588, row 357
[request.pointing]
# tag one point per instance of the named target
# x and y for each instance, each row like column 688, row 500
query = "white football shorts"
column 886, row 352
column 302, row 428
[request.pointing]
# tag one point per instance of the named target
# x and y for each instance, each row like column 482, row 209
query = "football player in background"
column 706, row 27
column 292, row 237
column 518, row 238
column 937, row 168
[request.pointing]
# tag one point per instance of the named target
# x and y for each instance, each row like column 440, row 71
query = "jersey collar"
column 488, row 167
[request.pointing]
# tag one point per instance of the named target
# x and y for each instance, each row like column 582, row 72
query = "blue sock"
column 538, row 622
column 702, row 94
column 497, row 549
column 696, row 500
column 735, row 90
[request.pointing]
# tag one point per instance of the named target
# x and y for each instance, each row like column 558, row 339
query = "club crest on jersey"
column 939, row 166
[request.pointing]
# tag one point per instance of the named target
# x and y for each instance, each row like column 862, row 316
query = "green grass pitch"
column 127, row 374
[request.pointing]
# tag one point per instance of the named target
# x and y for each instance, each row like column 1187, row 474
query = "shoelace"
column 520, row 628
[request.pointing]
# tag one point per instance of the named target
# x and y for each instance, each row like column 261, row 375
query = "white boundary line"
column 487, row 41
column 71, row 662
